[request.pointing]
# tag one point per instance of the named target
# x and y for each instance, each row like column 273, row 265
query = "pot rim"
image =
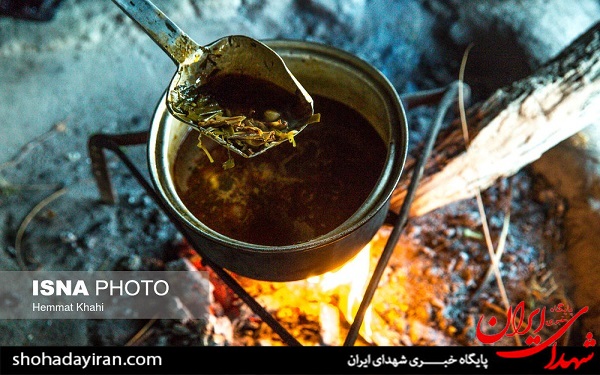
column 378, row 198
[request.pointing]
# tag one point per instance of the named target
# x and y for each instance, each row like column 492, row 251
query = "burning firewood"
column 514, row 127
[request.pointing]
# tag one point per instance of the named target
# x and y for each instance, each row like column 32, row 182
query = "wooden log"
column 512, row 128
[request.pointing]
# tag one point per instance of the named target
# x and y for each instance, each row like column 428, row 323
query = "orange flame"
column 349, row 283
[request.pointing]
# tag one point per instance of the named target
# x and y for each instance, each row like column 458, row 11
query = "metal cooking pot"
column 323, row 71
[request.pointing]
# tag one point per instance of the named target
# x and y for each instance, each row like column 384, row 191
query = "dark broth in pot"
column 288, row 194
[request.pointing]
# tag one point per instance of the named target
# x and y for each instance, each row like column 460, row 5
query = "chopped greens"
column 249, row 120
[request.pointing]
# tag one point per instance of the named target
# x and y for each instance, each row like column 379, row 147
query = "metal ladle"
column 235, row 54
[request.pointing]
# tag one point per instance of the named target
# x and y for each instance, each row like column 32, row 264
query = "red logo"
column 516, row 325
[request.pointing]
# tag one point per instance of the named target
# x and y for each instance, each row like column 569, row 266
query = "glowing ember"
column 349, row 283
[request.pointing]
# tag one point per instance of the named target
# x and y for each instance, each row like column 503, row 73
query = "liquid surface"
column 289, row 194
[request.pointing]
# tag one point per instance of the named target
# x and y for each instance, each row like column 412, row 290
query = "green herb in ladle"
column 247, row 113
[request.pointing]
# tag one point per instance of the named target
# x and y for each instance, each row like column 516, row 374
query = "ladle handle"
column 160, row 28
